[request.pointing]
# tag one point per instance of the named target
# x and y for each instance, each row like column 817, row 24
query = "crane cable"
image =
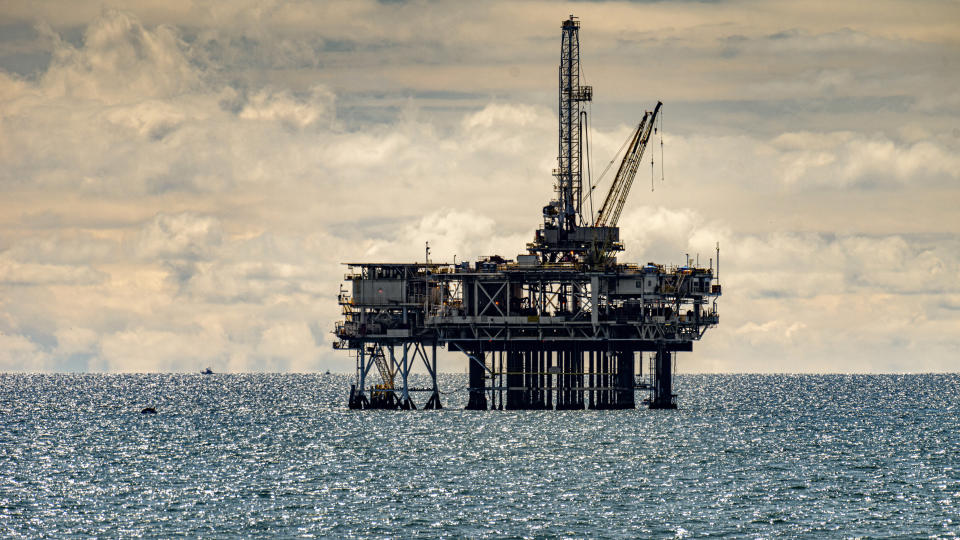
column 586, row 121
column 614, row 158
column 660, row 119
column 661, row 146
column 585, row 117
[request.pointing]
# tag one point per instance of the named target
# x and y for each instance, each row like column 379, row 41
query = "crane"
column 609, row 213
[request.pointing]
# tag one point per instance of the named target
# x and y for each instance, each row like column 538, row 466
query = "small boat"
column 327, row 373
column 207, row 371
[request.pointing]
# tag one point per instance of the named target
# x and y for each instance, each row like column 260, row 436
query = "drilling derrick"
column 565, row 235
column 563, row 326
column 570, row 155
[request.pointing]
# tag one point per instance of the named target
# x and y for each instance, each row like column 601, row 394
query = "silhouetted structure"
column 563, row 326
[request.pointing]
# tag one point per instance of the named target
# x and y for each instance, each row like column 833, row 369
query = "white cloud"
column 141, row 350
column 181, row 195
column 845, row 158
column 63, row 247
column 121, row 60
column 467, row 234
column 289, row 345
column 776, row 332
column 28, row 274
column 179, row 236
column 153, row 119
column 72, row 341
column 18, row 353
column 290, row 111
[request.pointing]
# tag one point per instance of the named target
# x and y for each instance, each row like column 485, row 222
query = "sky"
column 181, row 180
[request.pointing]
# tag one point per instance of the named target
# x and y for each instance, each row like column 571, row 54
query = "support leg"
column 580, row 379
column 663, row 381
column 514, row 380
column 592, row 382
column 477, row 381
column 548, row 362
column 434, row 401
column 625, row 399
column 405, row 402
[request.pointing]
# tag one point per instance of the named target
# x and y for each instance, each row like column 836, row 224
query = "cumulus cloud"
column 290, row 345
column 19, row 353
column 143, row 350
column 63, row 247
column 782, row 333
column 72, row 341
column 845, row 158
column 449, row 232
column 150, row 119
column 179, row 236
column 120, row 60
column 181, row 185
column 14, row 273
column 290, row 111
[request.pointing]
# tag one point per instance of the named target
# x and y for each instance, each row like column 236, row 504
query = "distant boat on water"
column 207, row 371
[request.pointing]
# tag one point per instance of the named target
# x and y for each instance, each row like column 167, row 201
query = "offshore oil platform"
column 562, row 326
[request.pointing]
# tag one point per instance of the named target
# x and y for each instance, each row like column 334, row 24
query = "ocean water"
column 280, row 455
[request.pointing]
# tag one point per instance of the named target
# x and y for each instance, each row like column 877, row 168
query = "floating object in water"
column 148, row 410
column 207, row 371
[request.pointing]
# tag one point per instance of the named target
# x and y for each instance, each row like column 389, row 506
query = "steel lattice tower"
column 572, row 95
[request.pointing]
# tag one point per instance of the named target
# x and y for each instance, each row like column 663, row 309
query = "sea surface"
column 280, row 455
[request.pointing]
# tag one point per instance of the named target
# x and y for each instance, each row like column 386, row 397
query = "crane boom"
column 617, row 196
